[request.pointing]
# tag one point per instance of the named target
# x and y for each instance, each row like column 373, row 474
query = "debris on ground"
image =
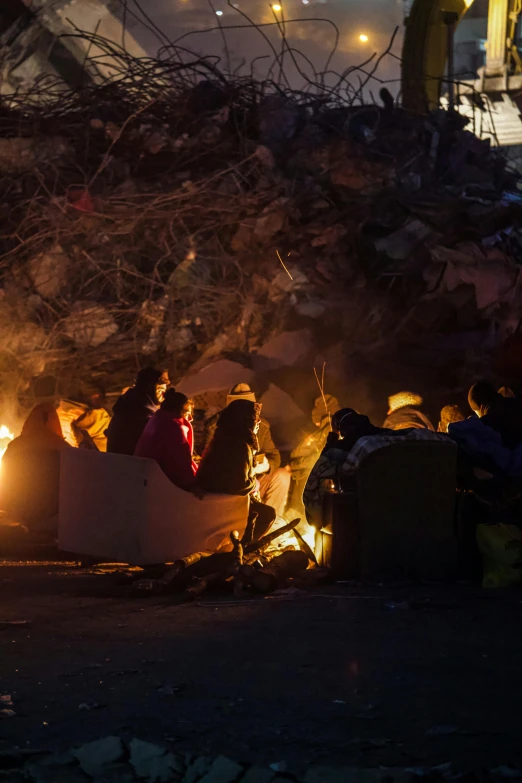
column 121, row 762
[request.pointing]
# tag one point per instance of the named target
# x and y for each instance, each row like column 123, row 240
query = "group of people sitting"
column 238, row 458
column 237, row 454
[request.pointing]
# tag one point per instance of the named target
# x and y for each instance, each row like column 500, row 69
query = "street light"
column 363, row 38
column 276, row 7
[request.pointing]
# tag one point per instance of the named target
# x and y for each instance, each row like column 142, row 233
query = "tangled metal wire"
column 129, row 193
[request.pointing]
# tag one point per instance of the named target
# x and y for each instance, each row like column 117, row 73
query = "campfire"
column 282, row 558
column 6, row 436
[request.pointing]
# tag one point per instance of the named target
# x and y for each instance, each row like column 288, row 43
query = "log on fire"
column 275, row 574
column 198, row 571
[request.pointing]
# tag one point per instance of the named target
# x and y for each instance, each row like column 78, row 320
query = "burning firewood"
column 276, row 573
column 205, row 569
column 304, row 547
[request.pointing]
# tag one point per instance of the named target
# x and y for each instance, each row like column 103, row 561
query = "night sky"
column 173, row 19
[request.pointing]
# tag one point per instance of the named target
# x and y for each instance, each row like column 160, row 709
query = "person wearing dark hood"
column 404, row 413
column 348, row 427
column 503, row 414
column 29, row 490
column 168, row 439
column 134, row 408
column 306, row 453
column 228, row 464
column 274, row 481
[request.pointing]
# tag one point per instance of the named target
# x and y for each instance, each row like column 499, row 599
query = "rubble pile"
column 114, row 759
column 178, row 216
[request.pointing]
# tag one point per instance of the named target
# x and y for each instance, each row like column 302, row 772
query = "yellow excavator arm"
column 425, row 51
column 426, row 42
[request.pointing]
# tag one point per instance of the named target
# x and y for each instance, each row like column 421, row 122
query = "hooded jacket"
column 130, row 416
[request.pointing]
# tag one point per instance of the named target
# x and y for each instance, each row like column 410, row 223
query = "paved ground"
column 336, row 677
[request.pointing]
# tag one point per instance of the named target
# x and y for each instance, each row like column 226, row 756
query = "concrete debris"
column 223, row 770
column 48, row 272
column 278, row 406
column 94, row 756
column 265, row 157
column 330, row 236
column 89, row 325
column 407, row 239
column 153, row 763
column 220, row 376
column 196, row 769
column 258, row 775
column 284, row 349
column 178, row 338
column 110, row 760
column 490, row 272
column 271, row 221
column 351, row 774
column 18, row 155
column 55, row 774
column 311, row 308
column 290, row 279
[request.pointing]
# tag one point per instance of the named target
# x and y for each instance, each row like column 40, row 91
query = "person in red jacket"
column 168, row 439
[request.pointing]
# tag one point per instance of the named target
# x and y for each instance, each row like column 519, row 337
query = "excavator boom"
column 426, row 48
column 425, row 51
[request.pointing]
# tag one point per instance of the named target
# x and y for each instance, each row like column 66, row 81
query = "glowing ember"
column 6, row 436
column 309, row 537
column 288, row 539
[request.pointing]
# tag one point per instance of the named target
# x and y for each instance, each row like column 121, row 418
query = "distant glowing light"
column 305, row 2
column 468, row 3
column 276, row 7
column 219, row 13
column 363, row 38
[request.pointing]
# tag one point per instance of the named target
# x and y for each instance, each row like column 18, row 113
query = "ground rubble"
column 113, row 760
column 215, row 217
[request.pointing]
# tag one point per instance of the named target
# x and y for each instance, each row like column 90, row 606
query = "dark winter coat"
column 505, row 417
column 130, row 416
column 227, row 469
column 264, row 438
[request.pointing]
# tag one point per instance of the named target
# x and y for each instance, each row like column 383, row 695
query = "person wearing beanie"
column 134, row 408
column 274, row 481
column 168, row 439
column 404, row 413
